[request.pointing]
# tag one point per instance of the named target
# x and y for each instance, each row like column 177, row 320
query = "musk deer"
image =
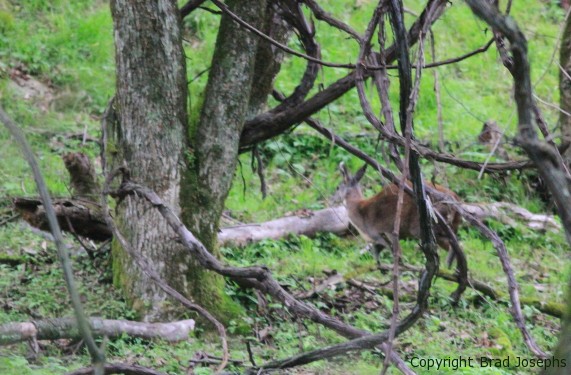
column 374, row 217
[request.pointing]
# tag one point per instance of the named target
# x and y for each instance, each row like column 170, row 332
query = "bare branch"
column 269, row 124
column 190, row 6
column 257, row 32
column 255, row 276
column 544, row 156
column 322, row 15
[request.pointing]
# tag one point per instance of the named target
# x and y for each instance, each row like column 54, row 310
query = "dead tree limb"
column 254, row 276
column 59, row 328
column 88, row 221
column 333, row 220
column 85, row 216
column 82, row 175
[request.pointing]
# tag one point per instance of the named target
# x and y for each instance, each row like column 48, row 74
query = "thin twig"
column 322, row 15
column 285, row 48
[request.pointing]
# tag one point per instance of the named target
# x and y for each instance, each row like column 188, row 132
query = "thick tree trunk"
column 214, row 142
column 565, row 88
column 144, row 129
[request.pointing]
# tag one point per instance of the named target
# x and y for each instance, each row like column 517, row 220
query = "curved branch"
column 255, row 276
column 257, row 32
column 544, row 156
column 269, row 124
column 293, row 14
column 322, row 15
column 190, row 7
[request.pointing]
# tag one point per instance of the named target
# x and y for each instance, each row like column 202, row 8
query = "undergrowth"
column 68, row 48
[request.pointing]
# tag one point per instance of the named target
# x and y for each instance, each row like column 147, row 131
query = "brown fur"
column 374, row 217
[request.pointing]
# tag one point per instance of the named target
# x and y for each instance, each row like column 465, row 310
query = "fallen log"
column 85, row 218
column 80, row 216
column 59, row 328
column 333, row 220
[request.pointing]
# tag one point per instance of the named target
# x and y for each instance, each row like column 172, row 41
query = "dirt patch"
column 30, row 89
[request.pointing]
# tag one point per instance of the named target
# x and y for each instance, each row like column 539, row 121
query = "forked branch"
column 258, row 277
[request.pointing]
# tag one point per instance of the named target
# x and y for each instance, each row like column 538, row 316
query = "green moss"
column 6, row 21
column 118, row 258
column 503, row 347
column 194, row 115
column 551, row 308
column 11, row 259
column 206, row 287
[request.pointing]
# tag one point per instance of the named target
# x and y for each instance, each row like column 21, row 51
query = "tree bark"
column 213, row 152
column 563, row 350
column 565, row 88
column 144, row 129
column 268, row 59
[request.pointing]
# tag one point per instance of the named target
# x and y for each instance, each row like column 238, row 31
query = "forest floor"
column 56, row 77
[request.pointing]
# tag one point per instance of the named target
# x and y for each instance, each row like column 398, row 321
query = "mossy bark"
column 268, row 59
column 213, row 153
column 144, row 129
column 190, row 167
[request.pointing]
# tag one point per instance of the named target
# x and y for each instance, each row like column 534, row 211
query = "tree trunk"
column 268, row 59
column 144, row 129
column 562, row 355
column 565, row 88
column 214, row 141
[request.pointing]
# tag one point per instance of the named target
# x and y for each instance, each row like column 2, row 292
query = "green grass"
column 68, row 47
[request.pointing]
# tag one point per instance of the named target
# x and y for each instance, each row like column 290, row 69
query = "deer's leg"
column 444, row 243
column 380, row 243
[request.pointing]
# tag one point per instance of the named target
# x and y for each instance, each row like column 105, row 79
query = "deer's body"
column 374, row 217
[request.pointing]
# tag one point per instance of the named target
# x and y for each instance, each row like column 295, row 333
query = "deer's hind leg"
column 380, row 243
